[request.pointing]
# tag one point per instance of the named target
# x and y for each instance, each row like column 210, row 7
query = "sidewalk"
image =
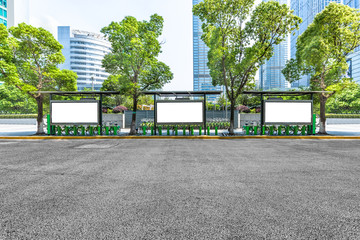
column 28, row 130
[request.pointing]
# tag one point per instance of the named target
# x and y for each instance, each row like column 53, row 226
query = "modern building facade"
column 307, row 10
column 354, row 58
column 84, row 52
column 270, row 75
column 202, row 79
column 18, row 12
column 3, row 12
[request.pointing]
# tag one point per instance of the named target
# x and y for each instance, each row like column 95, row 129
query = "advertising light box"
column 74, row 112
column 288, row 112
column 173, row 112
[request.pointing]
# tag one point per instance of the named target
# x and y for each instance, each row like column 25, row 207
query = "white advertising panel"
column 75, row 112
column 288, row 112
column 179, row 112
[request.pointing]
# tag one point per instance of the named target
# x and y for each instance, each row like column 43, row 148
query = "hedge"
column 2, row 116
column 335, row 115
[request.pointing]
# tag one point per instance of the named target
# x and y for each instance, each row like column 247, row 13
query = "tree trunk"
column 133, row 120
column 40, row 121
column 232, row 117
column 323, row 100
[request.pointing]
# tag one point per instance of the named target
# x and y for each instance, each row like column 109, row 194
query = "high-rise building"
column 202, row 79
column 306, row 9
column 18, row 12
column 84, row 52
column 3, row 12
column 354, row 58
column 270, row 75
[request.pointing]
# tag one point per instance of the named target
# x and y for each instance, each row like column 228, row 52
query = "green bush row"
column 2, row 116
column 335, row 115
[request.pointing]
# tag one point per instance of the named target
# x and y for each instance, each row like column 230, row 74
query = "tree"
column 321, row 52
column 240, row 40
column 12, row 100
column 32, row 65
column 133, row 59
column 345, row 101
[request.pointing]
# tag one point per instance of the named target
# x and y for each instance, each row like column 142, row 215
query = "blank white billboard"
column 288, row 112
column 75, row 112
column 179, row 112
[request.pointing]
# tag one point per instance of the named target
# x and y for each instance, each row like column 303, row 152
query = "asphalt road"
column 180, row 189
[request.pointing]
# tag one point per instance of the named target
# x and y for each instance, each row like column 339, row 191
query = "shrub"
column 119, row 109
column 242, row 108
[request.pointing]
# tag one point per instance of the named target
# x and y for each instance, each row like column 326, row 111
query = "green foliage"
column 334, row 115
column 11, row 116
column 240, row 39
column 345, row 101
column 32, row 65
column 133, row 60
column 321, row 51
column 12, row 100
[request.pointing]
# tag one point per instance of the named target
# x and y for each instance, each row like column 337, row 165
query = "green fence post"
column 91, row 130
column 115, row 130
column 279, row 130
column 255, row 130
column 296, row 128
column 303, row 130
column 287, row 130
column 53, row 130
column 83, row 130
column 168, row 131
column 184, row 131
column 192, row 131
column 314, row 124
column 160, row 131
column 271, row 130
column 48, row 124
column 208, row 130
column 99, row 130
column 216, row 130
column 75, row 130
column 263, row 130
column 247, row 130
column 144, row 130
column 66, row 130
column 59, row 130
column 176, row 131
column 200, row 132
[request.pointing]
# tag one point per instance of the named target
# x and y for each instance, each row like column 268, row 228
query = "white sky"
column 91, row 15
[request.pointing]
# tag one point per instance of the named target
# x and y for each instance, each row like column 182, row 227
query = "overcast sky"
column 91, row 15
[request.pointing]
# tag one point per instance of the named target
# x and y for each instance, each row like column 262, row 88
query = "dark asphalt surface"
column 180, row 189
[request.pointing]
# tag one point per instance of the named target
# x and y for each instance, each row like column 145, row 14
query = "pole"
column 262, row 114
column 100, row 113
column 204, row 111
column 155, row 113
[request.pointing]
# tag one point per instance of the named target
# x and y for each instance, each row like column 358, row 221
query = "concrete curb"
column 175, row 137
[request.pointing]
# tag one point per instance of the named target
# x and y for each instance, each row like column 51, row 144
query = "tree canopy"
column 240, row 39
column 133, row 60
column 29, row 61
column 322, row 51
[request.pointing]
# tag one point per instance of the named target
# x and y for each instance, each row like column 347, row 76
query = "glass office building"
column 270, row 75
column 84, row 52
column 306, row 9
column 3, row 12
column 202, row 79
column 354, row 58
